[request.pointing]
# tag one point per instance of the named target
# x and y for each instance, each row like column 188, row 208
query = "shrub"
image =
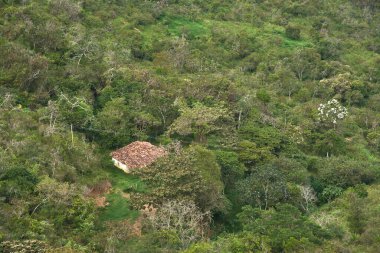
column 343, row 172
column 263, row 96
column 293, row 32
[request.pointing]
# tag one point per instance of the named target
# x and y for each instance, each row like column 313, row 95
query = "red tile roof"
column 138, row 154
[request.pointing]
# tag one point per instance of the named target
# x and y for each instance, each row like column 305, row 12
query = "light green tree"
column 113, row 123
column 199, row 120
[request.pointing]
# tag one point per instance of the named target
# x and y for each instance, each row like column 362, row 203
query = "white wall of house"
column 120, row 165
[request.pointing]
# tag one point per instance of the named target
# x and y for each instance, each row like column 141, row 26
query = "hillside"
column 269, row 111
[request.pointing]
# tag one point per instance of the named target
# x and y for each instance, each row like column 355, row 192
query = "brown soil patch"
column 96, row 192
column 101, row 201
column 134, row 228
column 103, row 187
column 126, row 195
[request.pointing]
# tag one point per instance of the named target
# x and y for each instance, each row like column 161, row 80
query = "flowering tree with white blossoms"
column 331, row 112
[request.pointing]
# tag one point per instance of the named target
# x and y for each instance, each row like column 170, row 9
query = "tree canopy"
column 268, row 111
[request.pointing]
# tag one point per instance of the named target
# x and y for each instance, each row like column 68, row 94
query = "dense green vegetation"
column 269, row 110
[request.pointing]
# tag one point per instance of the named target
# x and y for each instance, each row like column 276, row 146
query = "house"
column 137, row 154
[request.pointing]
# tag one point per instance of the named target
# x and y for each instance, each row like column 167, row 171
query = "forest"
column 269, row 112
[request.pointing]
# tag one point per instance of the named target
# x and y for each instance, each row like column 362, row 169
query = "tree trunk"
column 239, row 119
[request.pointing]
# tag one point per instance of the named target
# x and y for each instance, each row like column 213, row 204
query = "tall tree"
column 189, row 174
column 199, row 120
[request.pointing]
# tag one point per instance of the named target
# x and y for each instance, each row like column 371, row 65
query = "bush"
column 263, row 96
column 232, row 170
column 23, row 246
column 343, row 172
column 293, row 32
column 17, row 182
column 330, row 193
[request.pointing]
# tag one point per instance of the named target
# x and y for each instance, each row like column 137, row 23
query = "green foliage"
column 118, row 208
column 244, row 80
column 231, row 169
column 263, row 96
column 182, row 219
column 190, row 174
column 114, row 120
column 17, row 182
column 356, row 217
column 293, row 32
column 75, row 111
column 330, row 193
column 260, row 143
column 32, row 179
column 330, row 143
column 32, row 246
column 199, row 120
column 188, row 28
column 344, row 172
column 160, row 241
column 250, row 154
column 281, row 226
column 239, row 243
column 264, row 188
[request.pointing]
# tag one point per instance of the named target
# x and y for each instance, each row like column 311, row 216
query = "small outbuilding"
column 137, row 154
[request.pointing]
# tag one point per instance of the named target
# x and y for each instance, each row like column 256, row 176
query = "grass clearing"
column 119, row 207
column 193, row 29
column 366, row 154
column 124, row 182
column 289, row 43
column 233, row 27
column 266, row 34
